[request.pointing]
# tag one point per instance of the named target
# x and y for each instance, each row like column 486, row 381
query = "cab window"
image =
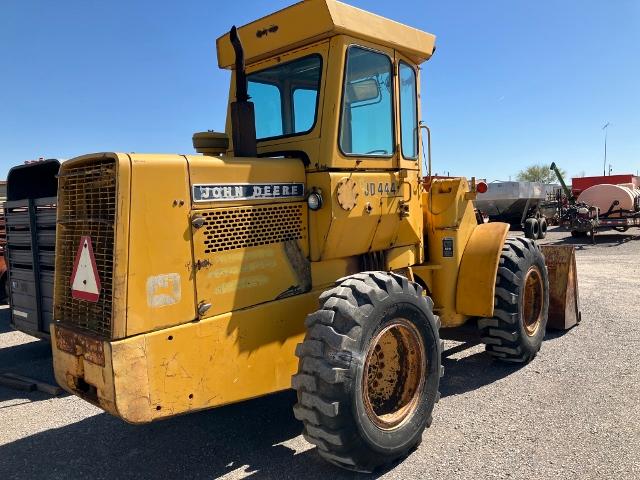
column 408, row 111
column 285, row 97
column 304, row 108
column 366, row 122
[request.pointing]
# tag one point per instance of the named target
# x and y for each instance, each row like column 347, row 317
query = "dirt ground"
column 574, row 412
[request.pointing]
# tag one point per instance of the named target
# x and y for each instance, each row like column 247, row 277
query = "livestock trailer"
column 30, row 216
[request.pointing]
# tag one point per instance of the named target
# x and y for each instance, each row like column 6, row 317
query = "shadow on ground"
column 242, row 438
column 605, row 239
column 4, row 319
column 32, row 359
column 245, row 438
column 472, row 372
column 14, row 356
column 476, row 369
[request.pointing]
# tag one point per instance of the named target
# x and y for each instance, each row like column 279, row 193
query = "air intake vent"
column 86, row 206
column 231, row 228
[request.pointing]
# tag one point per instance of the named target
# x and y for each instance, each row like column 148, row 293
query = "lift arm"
column 567, row 192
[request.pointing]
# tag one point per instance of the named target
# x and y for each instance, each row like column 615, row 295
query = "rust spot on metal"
column 299, row 263
column 200, row 264
column 395, row 371
column 532, row 301
column 80, row 345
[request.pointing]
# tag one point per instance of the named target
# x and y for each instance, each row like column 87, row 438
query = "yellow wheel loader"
column 298, row 249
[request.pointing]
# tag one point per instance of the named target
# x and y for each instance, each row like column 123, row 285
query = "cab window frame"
column 392, row 101
column 417, row 119
column 282, row 103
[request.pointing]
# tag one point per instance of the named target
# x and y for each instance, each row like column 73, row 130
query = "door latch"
column 203, row 307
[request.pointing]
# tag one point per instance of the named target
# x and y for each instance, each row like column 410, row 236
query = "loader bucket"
column 564, row 302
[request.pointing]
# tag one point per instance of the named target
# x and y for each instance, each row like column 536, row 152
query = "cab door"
column 401, row 212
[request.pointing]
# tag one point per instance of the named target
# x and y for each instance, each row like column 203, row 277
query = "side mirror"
column 366, row 90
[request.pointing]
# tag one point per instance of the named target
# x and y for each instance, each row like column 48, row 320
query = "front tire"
column 516, row 331
column 369, row 370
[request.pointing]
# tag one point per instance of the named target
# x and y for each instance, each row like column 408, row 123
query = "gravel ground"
column 574, row 412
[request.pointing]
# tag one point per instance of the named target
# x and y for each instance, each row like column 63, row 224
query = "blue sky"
column 513, row 82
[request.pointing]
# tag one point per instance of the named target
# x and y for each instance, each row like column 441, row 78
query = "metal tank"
column 613, row 200
column 512, row 202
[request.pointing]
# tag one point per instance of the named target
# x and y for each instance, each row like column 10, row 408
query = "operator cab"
column 339, row 94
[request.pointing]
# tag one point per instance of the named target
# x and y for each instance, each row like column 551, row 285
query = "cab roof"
column 313, row 20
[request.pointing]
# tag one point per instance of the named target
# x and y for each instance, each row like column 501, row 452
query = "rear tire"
column 543, row 228
column 363, row 409
column 531, row 228
column 518, row 326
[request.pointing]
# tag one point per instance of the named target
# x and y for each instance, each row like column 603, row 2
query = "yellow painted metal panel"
column 401, row 257
column 198, row 365
column 424, row 274
column 405, row 215
column 161, row 286
column 477, row 275
column 450, row 221
column 326, row 273
column 312, row 20
column 228, row 358
column 414, row 43
column 129, row 362
column 374, row 214
column 321, row 221
column 121, row 250
column 237, row 278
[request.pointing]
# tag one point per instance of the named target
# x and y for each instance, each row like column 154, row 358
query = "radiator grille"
column 228, row 229
column 86, row 206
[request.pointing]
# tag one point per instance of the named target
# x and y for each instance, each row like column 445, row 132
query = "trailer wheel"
column 515, row 332
column 531, row 228
column 543, row 228
column 578, row 234
column 369, row 370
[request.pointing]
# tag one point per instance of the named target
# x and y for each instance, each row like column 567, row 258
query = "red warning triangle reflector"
column 85, row 281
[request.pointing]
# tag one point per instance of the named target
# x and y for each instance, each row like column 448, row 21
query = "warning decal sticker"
column 85, row 281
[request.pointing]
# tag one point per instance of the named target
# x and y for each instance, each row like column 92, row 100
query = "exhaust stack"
column 243, row 118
